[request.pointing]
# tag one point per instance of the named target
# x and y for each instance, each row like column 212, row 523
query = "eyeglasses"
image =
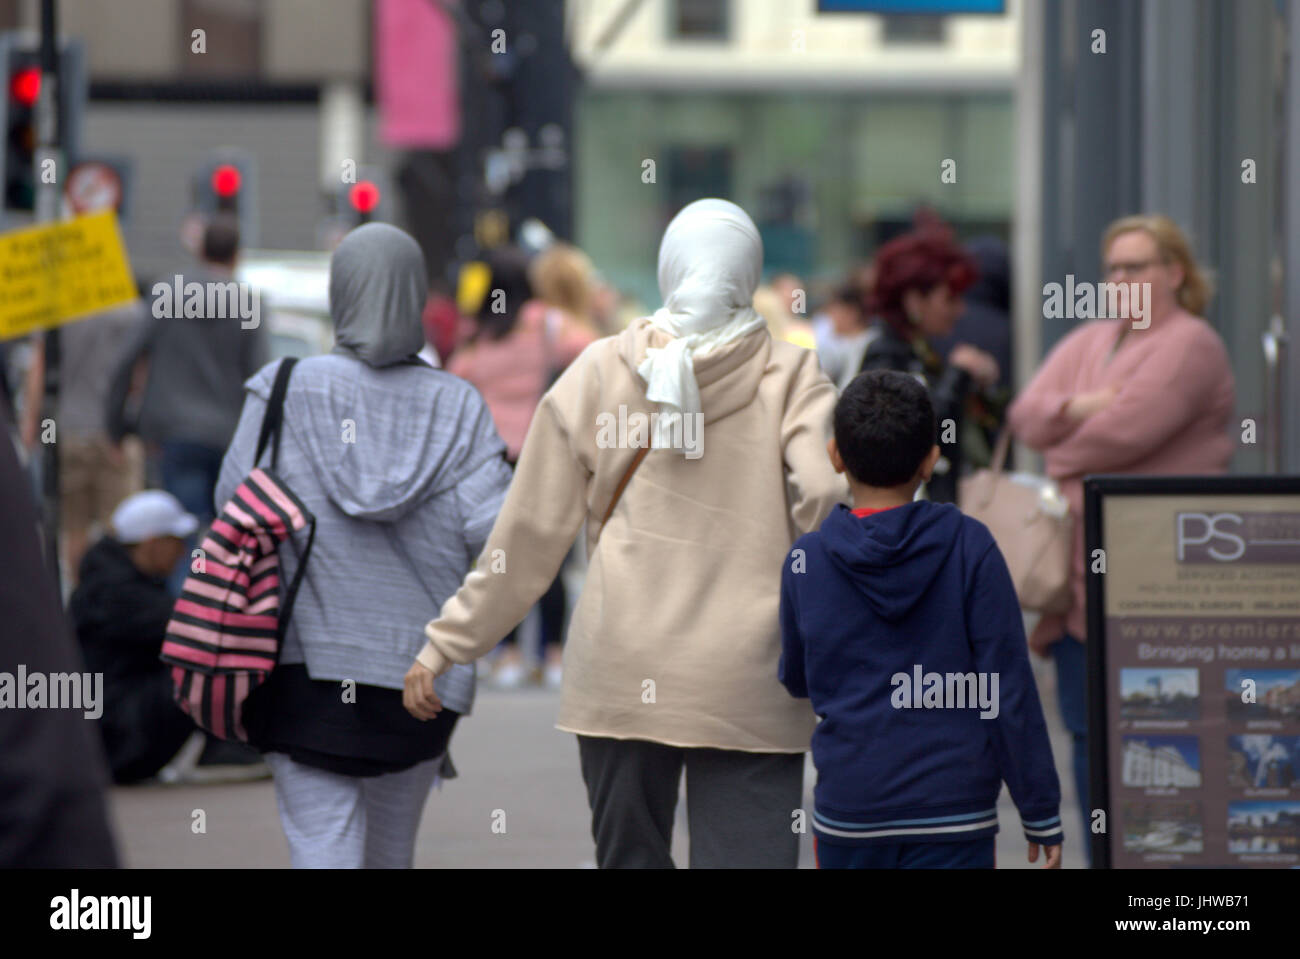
column 1129, row 269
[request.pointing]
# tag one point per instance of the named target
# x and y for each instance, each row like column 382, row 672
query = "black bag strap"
column 286, row 608
column 273, row 418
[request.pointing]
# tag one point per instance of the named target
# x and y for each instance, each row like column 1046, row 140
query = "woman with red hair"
column 919, row 279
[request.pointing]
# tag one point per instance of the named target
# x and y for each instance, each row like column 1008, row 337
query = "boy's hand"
column 1053, row 855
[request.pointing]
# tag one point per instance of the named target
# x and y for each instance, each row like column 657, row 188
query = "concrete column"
column 1290, row 179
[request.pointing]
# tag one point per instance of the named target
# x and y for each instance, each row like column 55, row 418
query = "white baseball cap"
column 151, row 513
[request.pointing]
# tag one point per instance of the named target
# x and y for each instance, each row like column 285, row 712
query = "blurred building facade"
column 282, row 81
column 831, row 129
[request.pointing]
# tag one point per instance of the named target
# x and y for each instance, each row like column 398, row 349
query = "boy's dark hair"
column 884, row 427
column 221, row 239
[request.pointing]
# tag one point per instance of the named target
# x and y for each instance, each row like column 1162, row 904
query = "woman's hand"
column 982, row 367
column 418, row 696
column 1084, row 405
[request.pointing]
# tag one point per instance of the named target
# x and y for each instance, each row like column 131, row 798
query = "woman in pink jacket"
column 1119, row 396
column 520, row 345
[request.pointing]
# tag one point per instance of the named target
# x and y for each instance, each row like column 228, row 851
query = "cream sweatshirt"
column 675, row 638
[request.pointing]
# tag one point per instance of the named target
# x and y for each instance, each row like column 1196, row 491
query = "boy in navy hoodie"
column 900, row 622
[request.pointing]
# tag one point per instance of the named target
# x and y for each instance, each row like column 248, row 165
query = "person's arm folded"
column 1038, row 416
column 1149, row 409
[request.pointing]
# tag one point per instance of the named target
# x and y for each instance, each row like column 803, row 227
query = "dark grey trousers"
column 739, row 805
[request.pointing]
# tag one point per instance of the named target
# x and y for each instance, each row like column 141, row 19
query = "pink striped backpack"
column 226, row 628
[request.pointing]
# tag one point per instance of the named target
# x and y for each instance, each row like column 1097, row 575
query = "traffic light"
column 20, row 132
column 226, row 183
column 20, row 69
column 365, row 199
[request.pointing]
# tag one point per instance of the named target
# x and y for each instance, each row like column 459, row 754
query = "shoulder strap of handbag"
column 622, row 485
column 272, row 421
column 273, row 418
column 1000, row 450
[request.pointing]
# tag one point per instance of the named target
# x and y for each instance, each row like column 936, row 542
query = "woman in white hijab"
column 693, row 447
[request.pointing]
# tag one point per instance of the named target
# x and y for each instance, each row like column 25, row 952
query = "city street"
column 510, row 757
column 314, row 314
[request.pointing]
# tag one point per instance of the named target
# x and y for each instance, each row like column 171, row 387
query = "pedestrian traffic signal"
column 364, row 197
column 224, row 183
column 25, row 85
column 20, row 70
column 20, row 131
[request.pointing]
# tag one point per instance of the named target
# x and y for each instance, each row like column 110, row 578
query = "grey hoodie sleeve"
column 479, row 497
column 481, row 492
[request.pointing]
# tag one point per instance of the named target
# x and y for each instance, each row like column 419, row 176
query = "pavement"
column 510, row 759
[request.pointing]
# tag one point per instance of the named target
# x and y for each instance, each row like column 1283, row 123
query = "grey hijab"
column 378, row 288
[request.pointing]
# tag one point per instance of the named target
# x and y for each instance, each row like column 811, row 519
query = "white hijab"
column 710, row 262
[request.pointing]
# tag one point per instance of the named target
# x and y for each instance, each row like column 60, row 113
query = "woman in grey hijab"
column 405, row 473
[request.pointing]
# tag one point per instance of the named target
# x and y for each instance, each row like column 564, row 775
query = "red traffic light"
column 364, row 196
column 225, row 180
column 25, row 85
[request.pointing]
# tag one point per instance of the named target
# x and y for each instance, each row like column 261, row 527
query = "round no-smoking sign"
column 92, row 187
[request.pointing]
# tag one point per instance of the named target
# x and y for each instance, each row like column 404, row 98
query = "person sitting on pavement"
column 120, row 609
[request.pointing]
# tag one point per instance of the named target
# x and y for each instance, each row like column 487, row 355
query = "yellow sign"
column 58, row 272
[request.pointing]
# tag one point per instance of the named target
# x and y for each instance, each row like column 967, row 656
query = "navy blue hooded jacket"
column 904, row 630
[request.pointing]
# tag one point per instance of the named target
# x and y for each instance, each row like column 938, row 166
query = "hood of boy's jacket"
column 892, row 557
column 728, row 376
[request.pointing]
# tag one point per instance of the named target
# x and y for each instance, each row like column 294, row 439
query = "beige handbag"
column 1030, row 521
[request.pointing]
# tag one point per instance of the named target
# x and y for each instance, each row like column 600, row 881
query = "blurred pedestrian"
column 919, row 280
column 672, row 652
column 441, row 321
column 985, row 321
column 404, row 472
column 841, row 333
column 52, row 780
column 608, row 307
column 775, row 302
column 563, row 279
column 197, row 360
column 1112, row 398
column 521, row 344
column 120, row 609
column 564, row 283
column 95, row 472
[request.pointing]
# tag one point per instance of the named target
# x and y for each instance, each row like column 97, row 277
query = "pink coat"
column 512, row 372
column 1176, row 397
